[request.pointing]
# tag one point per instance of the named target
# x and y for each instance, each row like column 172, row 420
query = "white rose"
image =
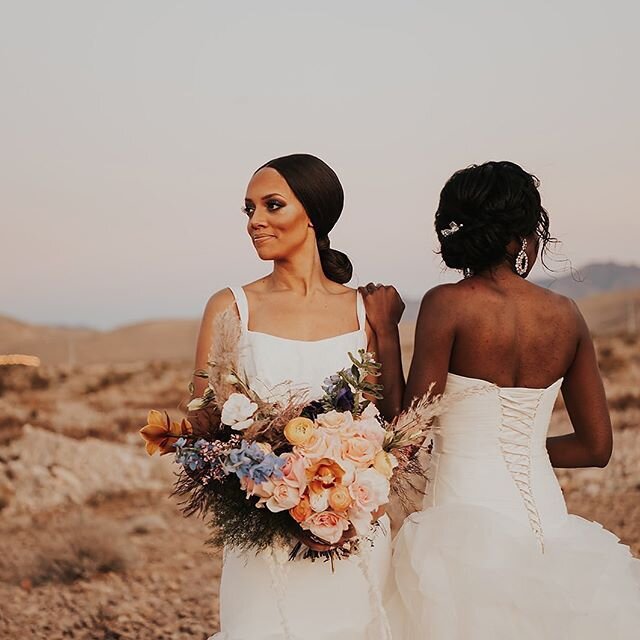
column 237, row 412
column 371, row 411
column 319, row 500
column 369, row 490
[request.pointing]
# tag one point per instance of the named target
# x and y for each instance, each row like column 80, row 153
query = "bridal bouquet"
column 263, row 470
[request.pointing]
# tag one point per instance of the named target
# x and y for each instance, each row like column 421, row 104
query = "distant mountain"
column 608, row 294
column 595, row 278
column 613, row 312
column 151, row 340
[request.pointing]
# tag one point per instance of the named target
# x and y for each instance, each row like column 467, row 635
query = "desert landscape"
column 94, row 546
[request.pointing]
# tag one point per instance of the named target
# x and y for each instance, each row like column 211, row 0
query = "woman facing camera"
column 494, row 555
column 299, row 324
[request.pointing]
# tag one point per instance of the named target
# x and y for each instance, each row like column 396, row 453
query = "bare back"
column 516, row 336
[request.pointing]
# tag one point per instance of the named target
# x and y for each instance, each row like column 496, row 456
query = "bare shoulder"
column 558, row 305
column 338, row 289
column 218, row 302
column 442, row 298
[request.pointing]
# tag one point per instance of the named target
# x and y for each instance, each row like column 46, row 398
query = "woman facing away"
column 494, row 555
column 298, row 325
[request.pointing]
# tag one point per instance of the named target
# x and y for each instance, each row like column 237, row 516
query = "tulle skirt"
column 469, row 573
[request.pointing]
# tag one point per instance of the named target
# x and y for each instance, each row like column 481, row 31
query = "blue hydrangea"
column 330, row 383
column 271, row 466
column 189, row 456
column 250, row 460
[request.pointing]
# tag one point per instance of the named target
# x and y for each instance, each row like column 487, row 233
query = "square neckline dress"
column 265, row 596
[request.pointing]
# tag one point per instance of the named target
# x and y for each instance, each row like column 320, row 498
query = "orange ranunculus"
column 302, row 510
column 324, row 474
column 160, row 433
column 299, row 431
column 340, row 498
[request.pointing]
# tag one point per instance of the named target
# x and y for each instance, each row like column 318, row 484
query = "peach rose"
column 340, row 498
column 327, row 525
column 360, row 450
column 302, row 510
column 315, row 447
column 264, row 491
column 370, row 429
column 284, row 497
column 299, row 431
column 294, row 470
column 335, row 420
column 385, row 463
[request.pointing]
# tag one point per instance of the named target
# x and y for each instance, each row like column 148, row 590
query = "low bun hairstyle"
column 492, row 204
column 318, row 189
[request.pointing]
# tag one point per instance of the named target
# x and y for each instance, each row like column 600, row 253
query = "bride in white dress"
column 494, row 555
column 298, row 325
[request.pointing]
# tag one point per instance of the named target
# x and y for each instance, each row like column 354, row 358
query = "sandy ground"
column 95, row 549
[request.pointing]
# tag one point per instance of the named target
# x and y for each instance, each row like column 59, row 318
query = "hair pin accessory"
column 454, row 227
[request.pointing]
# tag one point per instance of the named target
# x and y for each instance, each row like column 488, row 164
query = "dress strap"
column 362, row 312
column 242, row 304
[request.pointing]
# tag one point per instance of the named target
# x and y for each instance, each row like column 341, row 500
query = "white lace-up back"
column 495, row 555
column 497, row 438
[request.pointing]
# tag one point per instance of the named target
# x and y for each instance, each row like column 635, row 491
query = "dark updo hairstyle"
column 318, row 189
column 491, row 204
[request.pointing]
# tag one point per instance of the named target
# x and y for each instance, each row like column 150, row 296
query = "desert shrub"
column 38, row 381
column 109, row 379
column 625, row 401
column 10, row 428
column 19, row 377
column 609, row 361
column 72, row 549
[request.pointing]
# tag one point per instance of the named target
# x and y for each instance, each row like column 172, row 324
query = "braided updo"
column 491, row 204
column 318, row 189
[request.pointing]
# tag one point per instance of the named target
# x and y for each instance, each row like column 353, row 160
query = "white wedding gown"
column 265, row 596
column 494, row 554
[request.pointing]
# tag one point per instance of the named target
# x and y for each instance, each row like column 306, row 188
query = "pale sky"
column 129, row 129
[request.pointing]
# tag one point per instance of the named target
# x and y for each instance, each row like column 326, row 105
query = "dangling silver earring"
column 467, row 273
column 522, row 259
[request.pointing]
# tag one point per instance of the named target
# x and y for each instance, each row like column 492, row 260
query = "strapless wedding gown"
column 494, row 554
column 265, row 596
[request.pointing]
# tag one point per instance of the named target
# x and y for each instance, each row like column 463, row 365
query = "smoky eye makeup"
column 274, row 204
column 248, row 208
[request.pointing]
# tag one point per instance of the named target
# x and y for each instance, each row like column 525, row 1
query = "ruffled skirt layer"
column 468, row 573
